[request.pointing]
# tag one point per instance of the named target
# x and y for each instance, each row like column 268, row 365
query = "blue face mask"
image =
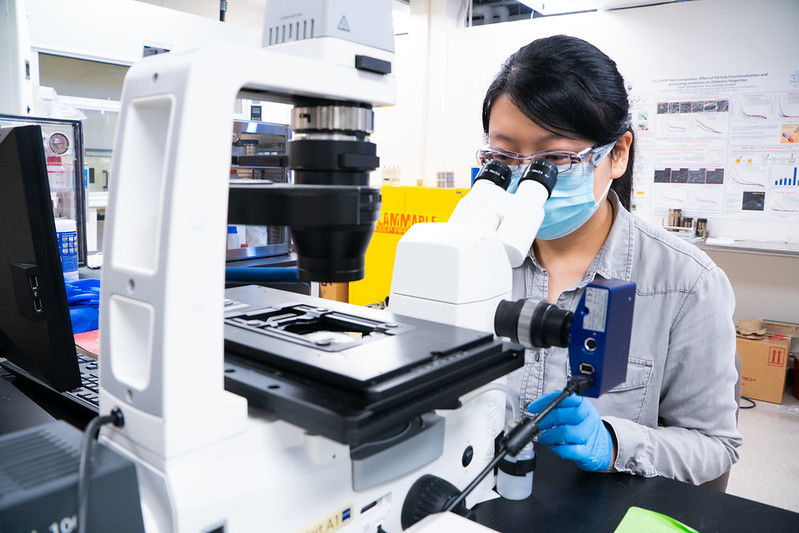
column 572, row 201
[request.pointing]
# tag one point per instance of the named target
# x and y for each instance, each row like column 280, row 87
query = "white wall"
column 694, row 37
column 698, row 37
column 250, row 13
column 765, row 286
column 397, row 133
column 117, row 30
column 402, row 131
column 13, row 41
column 113, row 31
column 243, row 13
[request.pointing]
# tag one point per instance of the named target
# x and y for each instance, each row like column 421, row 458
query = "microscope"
column 256, row 409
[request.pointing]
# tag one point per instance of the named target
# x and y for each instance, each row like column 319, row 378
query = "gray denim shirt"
column 675, row 415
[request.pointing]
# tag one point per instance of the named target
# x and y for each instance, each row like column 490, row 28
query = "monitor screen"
column 35, row 328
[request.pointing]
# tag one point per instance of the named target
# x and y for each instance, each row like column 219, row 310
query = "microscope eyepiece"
column 544, row 172
column 495, row 172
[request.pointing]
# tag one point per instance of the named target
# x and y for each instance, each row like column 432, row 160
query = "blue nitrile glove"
column 83, row 297
column 574, row 431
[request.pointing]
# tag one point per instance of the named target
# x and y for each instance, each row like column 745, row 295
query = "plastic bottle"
column 67, row 236
column 516, row 487
column 233, row 242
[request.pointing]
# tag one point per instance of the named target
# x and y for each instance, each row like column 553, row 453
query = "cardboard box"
column 765, row 363
column 790, row 329
column 335, row 291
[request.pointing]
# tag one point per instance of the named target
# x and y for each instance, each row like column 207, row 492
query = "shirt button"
column 537, row 357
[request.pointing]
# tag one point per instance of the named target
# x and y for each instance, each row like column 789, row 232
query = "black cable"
column 520, row 435
column 750, row 400
column 84, row 470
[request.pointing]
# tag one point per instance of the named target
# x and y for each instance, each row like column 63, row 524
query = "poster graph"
column 718, row 145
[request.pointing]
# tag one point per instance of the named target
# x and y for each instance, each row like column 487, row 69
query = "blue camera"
column 599, row 339
column 597, row 333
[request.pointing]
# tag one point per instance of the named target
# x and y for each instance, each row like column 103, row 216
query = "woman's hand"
column 574, row 431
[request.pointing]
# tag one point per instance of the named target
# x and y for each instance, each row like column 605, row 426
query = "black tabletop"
column 25, row 404
column 565, row 498
column 17, row 411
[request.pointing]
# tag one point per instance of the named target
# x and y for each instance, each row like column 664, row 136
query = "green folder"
column 638, row 520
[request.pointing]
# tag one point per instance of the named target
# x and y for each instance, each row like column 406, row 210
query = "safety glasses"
column 562, row 159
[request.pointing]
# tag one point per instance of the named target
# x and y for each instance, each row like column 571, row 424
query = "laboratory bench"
column 564, row 498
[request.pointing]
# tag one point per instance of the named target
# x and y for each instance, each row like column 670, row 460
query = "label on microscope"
column 332, row 522
column 596, row 300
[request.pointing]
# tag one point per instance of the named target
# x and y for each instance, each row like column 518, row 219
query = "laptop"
column 35, row 329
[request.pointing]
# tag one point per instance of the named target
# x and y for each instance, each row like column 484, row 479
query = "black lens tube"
column 544, row 172
column 533, row 323
column 332, row 161
column 330, row 208
column 495, row 172
column 506, row 319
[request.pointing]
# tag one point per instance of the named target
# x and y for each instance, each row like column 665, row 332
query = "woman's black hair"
column 570, row 87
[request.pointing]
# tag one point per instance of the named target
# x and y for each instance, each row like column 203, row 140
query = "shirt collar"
column 615, row 258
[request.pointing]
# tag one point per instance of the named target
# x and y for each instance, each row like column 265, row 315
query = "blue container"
column 67, row 233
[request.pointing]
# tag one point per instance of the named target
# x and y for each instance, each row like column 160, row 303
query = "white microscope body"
column 457, row 272
column 204, row 460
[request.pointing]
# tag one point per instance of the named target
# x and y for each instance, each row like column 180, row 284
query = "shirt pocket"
column 626, row 400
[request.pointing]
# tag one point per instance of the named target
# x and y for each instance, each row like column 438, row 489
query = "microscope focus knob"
column 429, row 495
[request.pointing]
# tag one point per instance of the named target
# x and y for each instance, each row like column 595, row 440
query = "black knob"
column 468, row 455
column 429, row 495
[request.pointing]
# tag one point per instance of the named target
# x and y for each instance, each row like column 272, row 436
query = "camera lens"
column 533, row 323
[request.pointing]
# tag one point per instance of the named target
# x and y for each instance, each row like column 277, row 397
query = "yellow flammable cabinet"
column 401, row 208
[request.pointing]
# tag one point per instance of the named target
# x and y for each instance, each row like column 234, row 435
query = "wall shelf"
column 781, row 249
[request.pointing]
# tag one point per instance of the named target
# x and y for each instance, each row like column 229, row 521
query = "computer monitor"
column 35, row 328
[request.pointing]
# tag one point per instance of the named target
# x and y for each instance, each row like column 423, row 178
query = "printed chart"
column 717, row 145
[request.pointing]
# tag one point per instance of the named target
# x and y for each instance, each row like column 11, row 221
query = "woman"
column 675, row 415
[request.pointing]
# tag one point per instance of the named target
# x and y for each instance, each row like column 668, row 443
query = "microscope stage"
column 348, row 372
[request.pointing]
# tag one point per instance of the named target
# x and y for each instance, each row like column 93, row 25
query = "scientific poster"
column 724, row 145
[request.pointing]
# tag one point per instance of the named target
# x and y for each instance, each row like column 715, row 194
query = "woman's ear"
column 620, row 155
